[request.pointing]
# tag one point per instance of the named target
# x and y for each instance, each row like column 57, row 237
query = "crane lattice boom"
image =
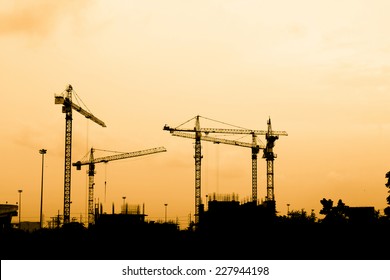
column 121, row 156
column 219, row 140
column 225, row 130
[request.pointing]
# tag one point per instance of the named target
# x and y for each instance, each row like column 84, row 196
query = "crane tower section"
column 67, row 107
column 269, row 156
column 198, row 158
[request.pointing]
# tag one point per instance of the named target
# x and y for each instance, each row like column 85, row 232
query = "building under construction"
column 226, row 213
column 131, row 217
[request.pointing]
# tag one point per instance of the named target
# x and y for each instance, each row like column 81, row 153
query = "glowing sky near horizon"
column 319, row 69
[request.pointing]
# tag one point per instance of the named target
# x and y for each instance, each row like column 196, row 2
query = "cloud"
column 39, row 17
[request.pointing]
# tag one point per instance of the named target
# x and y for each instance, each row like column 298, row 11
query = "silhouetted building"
column 120, row 220
column 29, row 226
column 7, row 211
column 361, row 214
column 226, row 214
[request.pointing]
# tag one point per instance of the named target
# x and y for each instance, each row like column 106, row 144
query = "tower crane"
column 91, row 171
column 67, row 107
column 271, row 136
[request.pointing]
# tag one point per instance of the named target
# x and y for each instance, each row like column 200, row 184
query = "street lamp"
column 20, row 205
column 288, row 208
column 124, row 204
column 42, row 152
column 166, row 206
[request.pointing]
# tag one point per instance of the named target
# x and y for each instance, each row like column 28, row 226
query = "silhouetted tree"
column 301, row 216
column 340, row 208
column 387, row 209
column 327, row 205
column 333, row 214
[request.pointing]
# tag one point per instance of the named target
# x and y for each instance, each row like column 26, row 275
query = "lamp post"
column 42, row 152
column 20, row 205
column 124, row 204
column 166, row 207
column 288, row 209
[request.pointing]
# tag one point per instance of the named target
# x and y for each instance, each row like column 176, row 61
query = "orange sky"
column 320, row 71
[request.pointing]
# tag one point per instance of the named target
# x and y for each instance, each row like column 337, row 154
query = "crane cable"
column 79, row 100
column 225, row 123
column 217, row 153
column 86, row 177
column 213, row 121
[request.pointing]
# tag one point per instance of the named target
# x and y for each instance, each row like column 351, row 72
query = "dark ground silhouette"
column 280, row 239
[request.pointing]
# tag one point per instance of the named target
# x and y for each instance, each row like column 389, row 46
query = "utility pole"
column 166, row 207
column 124, row 205
column 20, row 205
column 42, row 152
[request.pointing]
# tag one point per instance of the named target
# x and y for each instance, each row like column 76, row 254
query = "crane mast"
column 198, row 163
column 269, row 156
column 91, row 172
column 67, row 108
column 255, row 150
column 198, row 158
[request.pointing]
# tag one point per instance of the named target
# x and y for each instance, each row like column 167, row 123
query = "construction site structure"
column 270, row 137
column 91, row 171
column 65, row 99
